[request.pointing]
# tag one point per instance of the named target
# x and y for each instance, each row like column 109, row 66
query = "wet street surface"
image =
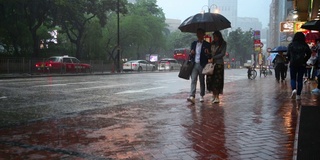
column 146, row 116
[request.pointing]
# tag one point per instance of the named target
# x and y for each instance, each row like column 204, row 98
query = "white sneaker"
column 293, row 94
column 201, row 99
column 212, row 99
column 298, row 97
column 191, row 99
column 216, row 100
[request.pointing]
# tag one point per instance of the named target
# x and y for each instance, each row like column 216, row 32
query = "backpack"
column 297, row 55
column 280, row 59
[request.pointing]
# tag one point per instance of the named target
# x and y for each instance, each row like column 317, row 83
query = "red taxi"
column 63, row 64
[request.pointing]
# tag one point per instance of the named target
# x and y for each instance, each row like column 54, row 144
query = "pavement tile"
column 255, row 120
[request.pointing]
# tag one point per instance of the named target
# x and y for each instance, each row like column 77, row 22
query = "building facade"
column 172, row 24
column 247, row 23
column 227, row 8
column 279, row 12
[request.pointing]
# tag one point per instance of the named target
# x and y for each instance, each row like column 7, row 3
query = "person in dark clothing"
column 317, row 67
column 298, row 54
column 200, row 53
column 280, row 66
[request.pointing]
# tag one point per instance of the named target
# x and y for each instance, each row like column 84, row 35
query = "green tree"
column 141, row 31
column 24, row 24
column 178, row 39
column 14, row 33
column 93, row 42
column 75, row 15
column 36, row 13
column 240, row 44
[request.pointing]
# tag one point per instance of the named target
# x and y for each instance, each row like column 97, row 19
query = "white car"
column 138, row 65
column 168, row 64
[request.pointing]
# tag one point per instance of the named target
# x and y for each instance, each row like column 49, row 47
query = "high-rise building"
column 279, row 11
column 247, row 23
column 173, row 24
column 227, row 8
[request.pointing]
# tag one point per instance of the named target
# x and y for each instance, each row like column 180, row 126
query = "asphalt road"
column 30, row 99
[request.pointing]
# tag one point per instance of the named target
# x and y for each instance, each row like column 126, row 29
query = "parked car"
column 138, row 65
column 63, row 64
column 168, row 64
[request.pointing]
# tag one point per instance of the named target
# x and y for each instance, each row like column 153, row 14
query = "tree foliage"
column 240, row 44
column 87, row 29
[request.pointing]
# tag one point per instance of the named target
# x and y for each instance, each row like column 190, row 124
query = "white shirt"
column 198, row 52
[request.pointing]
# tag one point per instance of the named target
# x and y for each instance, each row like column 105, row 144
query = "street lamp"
column 209, row 8
column 292, row 15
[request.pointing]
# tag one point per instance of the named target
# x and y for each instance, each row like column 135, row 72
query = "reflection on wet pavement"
column 257, row 121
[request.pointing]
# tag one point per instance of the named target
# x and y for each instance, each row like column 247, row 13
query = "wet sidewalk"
column 256, row 119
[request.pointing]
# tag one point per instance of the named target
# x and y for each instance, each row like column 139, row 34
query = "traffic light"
column 233, row 59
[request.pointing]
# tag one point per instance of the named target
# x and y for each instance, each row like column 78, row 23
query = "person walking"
column 317, row 67
column 215, row 82
column 298, row 54
column 199, row 54
column 280, row 66
column 310, row 65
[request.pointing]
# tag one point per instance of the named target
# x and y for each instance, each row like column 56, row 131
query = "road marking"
column 50, row 85
column 167, row 80
column 140, row 90
column 101, row 87
column 53, row 85
column 3, row 97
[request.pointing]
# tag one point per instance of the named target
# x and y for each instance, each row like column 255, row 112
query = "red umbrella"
column 310, row 37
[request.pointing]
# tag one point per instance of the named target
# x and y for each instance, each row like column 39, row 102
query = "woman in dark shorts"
column 215, row 82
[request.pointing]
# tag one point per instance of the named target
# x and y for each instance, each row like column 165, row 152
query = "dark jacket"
column 203, row 56
column 298, row 53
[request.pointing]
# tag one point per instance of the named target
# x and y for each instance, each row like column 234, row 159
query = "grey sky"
column 182, row 9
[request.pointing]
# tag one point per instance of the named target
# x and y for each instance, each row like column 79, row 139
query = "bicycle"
column 252, row 73
column 264, row 71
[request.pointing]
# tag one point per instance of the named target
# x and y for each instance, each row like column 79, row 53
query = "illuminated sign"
column 287, row 26
column 297, row 27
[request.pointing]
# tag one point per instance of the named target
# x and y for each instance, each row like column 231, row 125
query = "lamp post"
column 292, row 15
column 118, row 40
column 209, row 8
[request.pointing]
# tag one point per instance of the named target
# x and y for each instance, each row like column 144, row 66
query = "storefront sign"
column 287, row 26
column 297, row 27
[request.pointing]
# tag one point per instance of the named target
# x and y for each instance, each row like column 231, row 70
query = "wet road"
column 35, row 98
column 146, row 116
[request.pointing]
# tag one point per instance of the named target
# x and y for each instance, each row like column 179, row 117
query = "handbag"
column 186, row 70
column 208, row 69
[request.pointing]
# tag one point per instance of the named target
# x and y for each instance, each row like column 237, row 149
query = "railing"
column 24, row 65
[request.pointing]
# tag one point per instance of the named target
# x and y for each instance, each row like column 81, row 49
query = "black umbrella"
column 207, row 21
column 312, row 25
column 279, row 49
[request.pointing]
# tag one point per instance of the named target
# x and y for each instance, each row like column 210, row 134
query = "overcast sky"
column 182, row 9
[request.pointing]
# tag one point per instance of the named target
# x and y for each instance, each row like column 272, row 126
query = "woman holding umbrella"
column 215, row 82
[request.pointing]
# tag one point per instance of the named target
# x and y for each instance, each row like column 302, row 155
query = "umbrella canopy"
column 272, row 56
column 312, row 37
column 279, row 49
column 207, row 21
column 312, row 25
